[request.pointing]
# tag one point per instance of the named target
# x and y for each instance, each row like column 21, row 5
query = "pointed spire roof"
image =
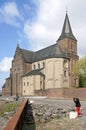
column 67, row 31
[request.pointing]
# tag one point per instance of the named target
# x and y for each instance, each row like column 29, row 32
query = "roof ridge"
column 45, row 48
column 26, row 50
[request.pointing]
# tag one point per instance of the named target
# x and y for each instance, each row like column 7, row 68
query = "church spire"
column 66, row 31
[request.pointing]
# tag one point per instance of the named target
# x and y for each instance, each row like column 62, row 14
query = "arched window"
column 65, row 73
column 65, row 64
column 34, row 67
column 38, row 66
column 43, row 64
column 71, row 46
column 24, row 83
column 27, row 83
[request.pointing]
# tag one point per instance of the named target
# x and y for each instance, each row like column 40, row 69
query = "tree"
column 80, row 70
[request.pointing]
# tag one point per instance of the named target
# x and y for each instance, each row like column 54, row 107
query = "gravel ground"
column 62, row 123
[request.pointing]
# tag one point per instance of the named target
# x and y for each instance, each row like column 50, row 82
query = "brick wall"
column 41, row 92
column 64, row 93
column 78, row 92
column 55, row 93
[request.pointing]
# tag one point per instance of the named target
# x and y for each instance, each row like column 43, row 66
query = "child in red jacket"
column 78, row 105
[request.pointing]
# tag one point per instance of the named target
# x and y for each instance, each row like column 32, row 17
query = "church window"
column 24, row 83
column 40, row 82
column 38, row 66
column 65, row 64
column 71, row 46
column 65, row 73
column 27, row 83
column 34, row 67
column 43, row 64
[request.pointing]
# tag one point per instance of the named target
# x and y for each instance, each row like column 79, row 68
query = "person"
column 78, row 105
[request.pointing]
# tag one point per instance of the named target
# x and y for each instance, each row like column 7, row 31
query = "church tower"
column 68, row 44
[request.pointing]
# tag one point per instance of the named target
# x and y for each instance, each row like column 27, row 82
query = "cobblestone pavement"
column 60, row 122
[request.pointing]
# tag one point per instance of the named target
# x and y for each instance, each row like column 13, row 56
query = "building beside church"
column 50, row 67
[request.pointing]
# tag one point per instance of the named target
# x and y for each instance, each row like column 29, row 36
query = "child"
column 78, row 105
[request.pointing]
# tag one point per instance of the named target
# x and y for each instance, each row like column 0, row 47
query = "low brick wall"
column 63, row 93
column 41, row 92
column 16, row 122
column 77, row 92
column 67, row 93
column 55, row 93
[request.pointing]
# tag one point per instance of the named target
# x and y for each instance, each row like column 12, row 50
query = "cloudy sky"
column 35, row 24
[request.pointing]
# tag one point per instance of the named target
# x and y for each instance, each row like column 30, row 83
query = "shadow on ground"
column 29, row 122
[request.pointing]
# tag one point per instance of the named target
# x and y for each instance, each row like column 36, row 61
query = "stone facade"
column 53, row 76
column 19, row 67
column 45, row 69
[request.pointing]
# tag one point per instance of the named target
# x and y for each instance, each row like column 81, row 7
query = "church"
column 50, row 67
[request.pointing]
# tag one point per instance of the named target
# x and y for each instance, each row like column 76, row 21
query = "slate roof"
column 27, row 55
column 34, row 72
column 52, row 51
column 66, row 31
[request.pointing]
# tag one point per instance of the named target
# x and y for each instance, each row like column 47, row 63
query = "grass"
column 10, row 107
column 2, row 107
column 7, row 107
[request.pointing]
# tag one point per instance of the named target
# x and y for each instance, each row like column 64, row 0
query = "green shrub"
column 10, row 106
column 82, row 81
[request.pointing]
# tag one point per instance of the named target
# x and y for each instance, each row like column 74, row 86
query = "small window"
column 71, row 45
column 43, row 64
column 40, row 82
column 34, row 67
column 65, row 64
column 24, row 83
column 27, row 83
column 38, row 65
column 24, row 91
column 65, row 73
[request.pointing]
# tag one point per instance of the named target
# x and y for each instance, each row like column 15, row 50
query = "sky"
column 36, row 24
